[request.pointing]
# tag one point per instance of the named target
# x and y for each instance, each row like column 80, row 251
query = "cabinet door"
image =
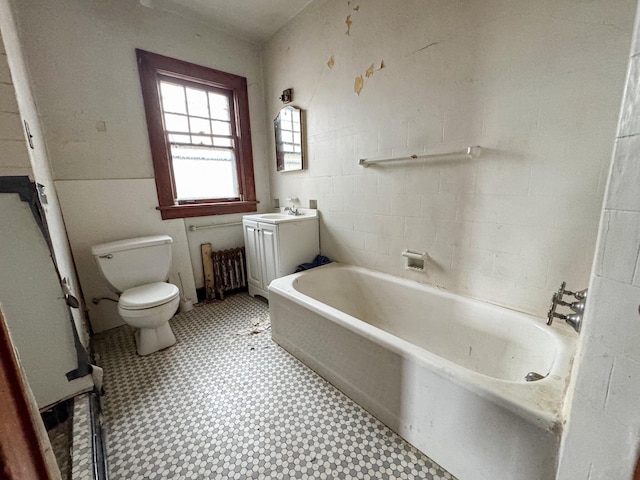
column 252, row 250
column 269, row 234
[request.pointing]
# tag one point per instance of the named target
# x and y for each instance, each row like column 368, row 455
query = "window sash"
column 186, row 183
column 207, row 90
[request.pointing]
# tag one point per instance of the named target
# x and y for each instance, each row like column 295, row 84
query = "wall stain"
column 331, row 62
column 369, row 71
column 359, row 81
column 348, row 22
column 356, row 8
column 358, row 84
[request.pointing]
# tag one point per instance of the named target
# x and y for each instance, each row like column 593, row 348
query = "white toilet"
column 137, row 269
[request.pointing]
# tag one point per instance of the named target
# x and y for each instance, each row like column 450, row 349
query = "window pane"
column 172, row 97
column 200, row 125
column 292, row 160
column 176, row 123
column 285, row 125
column 201, row 140
column 197, row 101
column 286, row 136
column 179, row 138
column 220, row 128
column 222, row 142
column 219, row 106
column 202, row 173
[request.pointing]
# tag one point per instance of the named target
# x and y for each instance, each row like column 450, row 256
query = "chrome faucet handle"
column 581, row 295
column 551, row 313
column 577, row 307
column 575, row 320
column 562, row 291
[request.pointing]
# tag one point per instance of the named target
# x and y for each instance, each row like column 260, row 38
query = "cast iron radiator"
column 228, row 272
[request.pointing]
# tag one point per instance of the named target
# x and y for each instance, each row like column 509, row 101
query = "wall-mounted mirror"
column 289, row 135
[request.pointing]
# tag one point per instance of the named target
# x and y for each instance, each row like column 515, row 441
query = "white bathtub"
column 443, row 371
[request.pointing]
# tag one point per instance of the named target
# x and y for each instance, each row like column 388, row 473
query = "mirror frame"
column 280, row 165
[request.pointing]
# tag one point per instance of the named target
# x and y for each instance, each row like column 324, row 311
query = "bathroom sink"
column 275, row 216
column 305, row 214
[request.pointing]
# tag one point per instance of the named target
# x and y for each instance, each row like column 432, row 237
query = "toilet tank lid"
column 130, row 244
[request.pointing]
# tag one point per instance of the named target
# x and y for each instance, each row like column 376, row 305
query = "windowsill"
column 206, row 209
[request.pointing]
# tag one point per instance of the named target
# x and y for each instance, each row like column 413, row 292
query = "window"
column 198, row 121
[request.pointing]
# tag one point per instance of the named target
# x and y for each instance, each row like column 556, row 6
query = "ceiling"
column 254, row 20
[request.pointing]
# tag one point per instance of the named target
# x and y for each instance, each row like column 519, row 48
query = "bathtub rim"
column 516, row 396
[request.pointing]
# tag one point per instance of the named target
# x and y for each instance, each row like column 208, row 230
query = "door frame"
column 23, row 439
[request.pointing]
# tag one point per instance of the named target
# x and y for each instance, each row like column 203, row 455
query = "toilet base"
column 150, row 340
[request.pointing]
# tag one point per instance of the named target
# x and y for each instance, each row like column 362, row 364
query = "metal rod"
column 193, row 228
column 97, row 300
column 469, row 152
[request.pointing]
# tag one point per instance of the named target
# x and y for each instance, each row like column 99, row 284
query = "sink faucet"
column 292, row 210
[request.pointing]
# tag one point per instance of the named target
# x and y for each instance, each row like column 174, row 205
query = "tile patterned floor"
column 228, row 406
column 60, row 438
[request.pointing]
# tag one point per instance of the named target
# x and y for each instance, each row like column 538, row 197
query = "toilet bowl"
column 149, row 308
column 137, row 268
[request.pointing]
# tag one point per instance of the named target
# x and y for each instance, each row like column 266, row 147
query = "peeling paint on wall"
column 369, row 71
column 358, row 84
column 348, row 22
column 331, row 62
column 359, row 81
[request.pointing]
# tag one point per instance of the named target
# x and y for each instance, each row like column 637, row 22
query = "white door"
column 34, row 307
column 270, row 252
column 252, row 250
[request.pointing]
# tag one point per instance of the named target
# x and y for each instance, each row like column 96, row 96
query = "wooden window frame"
column 150, row 67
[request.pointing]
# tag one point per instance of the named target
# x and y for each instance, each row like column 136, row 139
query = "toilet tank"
column 135, row 261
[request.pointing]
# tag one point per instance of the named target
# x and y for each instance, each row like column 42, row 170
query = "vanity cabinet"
column 274, row 250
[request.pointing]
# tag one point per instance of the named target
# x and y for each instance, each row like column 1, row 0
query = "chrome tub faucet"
column 573, row 319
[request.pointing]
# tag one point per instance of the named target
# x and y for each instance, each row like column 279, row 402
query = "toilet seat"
column 148, row 296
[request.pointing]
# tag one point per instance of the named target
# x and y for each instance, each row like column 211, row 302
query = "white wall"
column 537, row 84
column 82, row 59
column 602, row 438
column 14, row 159
column 15, row 152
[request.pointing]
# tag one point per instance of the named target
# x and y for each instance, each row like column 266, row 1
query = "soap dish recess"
column 415, row 260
